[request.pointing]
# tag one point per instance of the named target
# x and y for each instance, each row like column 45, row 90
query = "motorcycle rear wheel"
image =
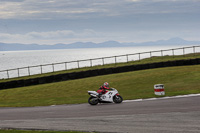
column 93, row 101
column 117, row 99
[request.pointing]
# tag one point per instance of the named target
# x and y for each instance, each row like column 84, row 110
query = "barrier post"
column 194, row 50
column 29, row 72
column 7, row 74
column 150, row 55
column 41, row 68
column 90, row 62
column 53, row 67
column 78, row 63
column 103, row 61
column 139, row 56
column 65, row 65
column 18, row 71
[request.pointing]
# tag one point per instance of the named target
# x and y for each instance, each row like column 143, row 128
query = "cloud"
column 47, row 9
column 62, row 34
column 89, row 35
column 73, row 9
column 64, row 21
column 12, row 0
column 53, row 37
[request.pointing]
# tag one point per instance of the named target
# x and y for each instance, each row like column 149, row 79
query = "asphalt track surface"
column 173, row 115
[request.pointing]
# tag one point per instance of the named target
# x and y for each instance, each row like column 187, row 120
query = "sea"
column 30, row 61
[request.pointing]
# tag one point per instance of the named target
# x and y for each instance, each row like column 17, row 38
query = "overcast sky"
column 68, row 21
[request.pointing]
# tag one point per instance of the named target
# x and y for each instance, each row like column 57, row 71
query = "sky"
column 69, row 21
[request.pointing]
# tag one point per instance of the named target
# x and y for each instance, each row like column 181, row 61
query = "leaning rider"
column 103, row 89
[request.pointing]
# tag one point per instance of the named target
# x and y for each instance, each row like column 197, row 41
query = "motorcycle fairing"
column 108, row 96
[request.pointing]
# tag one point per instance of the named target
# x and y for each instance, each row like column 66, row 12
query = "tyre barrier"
column 96, row 72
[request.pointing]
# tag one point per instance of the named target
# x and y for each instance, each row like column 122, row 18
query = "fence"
column 40, row 69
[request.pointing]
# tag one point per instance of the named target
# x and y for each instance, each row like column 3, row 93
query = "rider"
column 103, row 89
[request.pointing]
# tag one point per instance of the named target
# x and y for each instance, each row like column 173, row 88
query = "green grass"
column 131, row 85
column 29, row 131
column 143, row 61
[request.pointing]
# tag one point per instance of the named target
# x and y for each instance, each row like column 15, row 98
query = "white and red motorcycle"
column 109, row 97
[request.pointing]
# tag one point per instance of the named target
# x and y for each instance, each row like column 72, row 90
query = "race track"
column 173, row 115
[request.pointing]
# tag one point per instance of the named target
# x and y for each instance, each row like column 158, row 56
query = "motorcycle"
column 108, row 97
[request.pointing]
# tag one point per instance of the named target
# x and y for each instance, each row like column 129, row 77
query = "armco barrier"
column 97, row 72
column 53, row 67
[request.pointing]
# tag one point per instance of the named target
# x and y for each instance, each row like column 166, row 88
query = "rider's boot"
column 100, row 94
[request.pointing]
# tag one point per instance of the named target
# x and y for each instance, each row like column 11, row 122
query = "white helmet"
column 106, row 84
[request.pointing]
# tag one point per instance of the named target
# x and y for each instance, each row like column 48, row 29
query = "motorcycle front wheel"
column 117, row 99
column 93, row 101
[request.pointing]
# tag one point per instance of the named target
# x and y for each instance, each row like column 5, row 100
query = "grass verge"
column 131, row 85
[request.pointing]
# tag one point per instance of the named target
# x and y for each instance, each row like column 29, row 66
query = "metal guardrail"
column 40, row 69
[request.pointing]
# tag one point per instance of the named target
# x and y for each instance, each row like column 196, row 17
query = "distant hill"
column 17, row 46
